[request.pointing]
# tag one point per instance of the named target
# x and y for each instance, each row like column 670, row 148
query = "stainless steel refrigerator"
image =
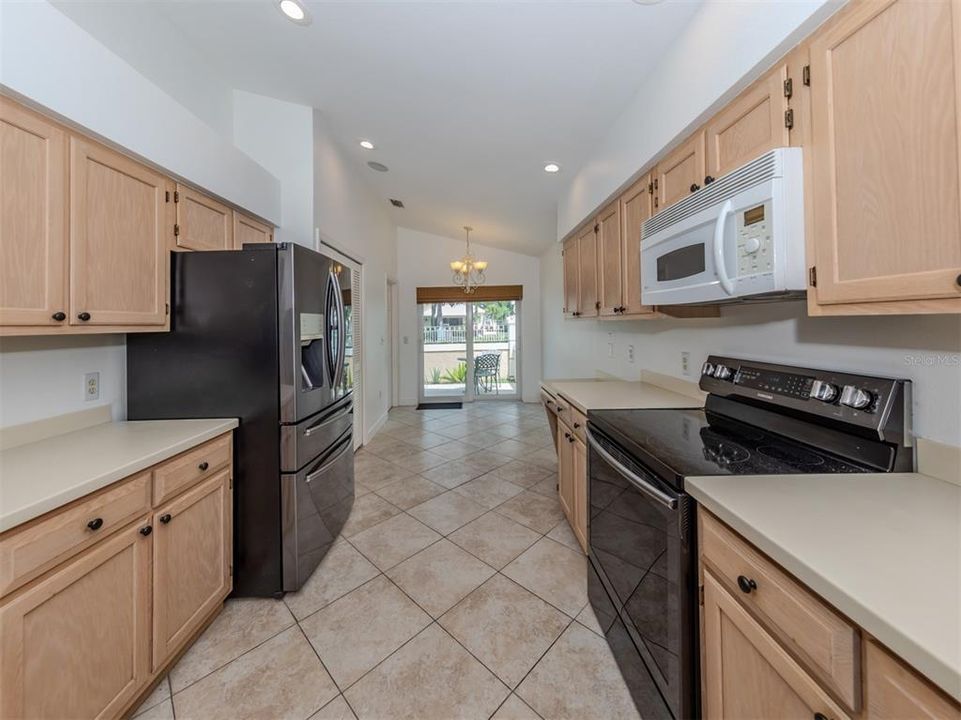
column 262, row 334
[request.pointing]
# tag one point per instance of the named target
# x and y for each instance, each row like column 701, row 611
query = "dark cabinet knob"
column 83, row 316
column 708, row 179
column 95, row 524
column 695, row 187
column 958, row 280
column 570, row 438
column 821, row 716
column 567, row 435
column 165, row 518
column 59, row 316
column 746, row 584
column 146, row 530
column 576, row 425
column 204, row 465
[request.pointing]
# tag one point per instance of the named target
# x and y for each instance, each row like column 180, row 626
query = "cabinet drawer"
column 823, row 640
column 578, row 424
column 28, row 553
column 563, row 406
column 190, row 467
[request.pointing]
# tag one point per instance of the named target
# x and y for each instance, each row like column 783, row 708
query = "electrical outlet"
column 685, row 362
column 630, row 353
column 91, row 386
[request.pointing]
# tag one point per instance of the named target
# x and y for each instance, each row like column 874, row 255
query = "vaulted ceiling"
column 464, row 101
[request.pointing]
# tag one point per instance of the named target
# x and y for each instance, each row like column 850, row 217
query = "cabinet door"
column 749, row 126
column 579, row 491
column 885, row 148
column 635, row 209
column 248, row 230
column 681, row 172
column 76, row 643
column 191, row 574
column 570, row 276
column 33, row 226
column 565, row 470
column 202, row 222
column 120, row 221
column 893, row 691
column 747, row 674
column 587, row 301
column 610, row 260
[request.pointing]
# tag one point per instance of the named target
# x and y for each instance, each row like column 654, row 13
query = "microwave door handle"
column 719, row 267
column 638, row 482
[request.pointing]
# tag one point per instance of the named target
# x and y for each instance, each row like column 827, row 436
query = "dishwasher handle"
column 655, row 494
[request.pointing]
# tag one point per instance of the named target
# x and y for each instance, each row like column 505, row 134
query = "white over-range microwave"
column 739, row 238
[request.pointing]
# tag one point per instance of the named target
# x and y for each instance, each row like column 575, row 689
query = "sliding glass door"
column 469, row 350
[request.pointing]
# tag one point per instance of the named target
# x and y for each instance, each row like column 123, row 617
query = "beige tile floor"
column 457, row 590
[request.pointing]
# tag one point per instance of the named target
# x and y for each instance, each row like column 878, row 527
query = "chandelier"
column 468, row 271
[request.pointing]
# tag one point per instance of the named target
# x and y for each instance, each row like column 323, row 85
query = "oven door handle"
column 720, row 268
column 638, row 482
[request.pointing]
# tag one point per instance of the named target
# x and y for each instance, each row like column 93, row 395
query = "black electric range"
column 758, row 419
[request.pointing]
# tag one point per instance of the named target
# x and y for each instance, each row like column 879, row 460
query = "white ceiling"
column 465, row 101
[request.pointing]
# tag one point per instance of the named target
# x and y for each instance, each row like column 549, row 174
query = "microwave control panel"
column 755, row 248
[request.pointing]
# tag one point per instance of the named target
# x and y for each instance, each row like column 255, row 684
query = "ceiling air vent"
column 396, row 203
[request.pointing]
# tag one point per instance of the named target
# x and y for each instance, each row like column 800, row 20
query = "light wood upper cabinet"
column 587, row 302
column 681, row 172
column 635, row 209
column 895, row 692
column 202, row 222
column 191, row 571
column 747, row 674
column 610, row 260
column 885, row 142
column 749, row 126
column 33, row 223
column 119, row 224
column 570, row 261
column 97, row 608
column 248, row 230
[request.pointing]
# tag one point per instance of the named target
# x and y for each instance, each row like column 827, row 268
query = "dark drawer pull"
column 746, row 584
column 95, row 524
column 146, row 530
column 576, row 425
column 204, row 465
column 84, row 316
column 166, row 518
column 59, row 316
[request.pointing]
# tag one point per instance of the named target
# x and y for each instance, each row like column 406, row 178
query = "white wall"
column 924, row 349
column 723, row 47
column 43, row 376
column 51, row 61
column 280, row 136
column 350, row 217
column 424, row 260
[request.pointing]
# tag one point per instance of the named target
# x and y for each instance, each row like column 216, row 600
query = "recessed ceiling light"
column 379, row 167
column 367, row 144
column 552, row 168
column 295, row 11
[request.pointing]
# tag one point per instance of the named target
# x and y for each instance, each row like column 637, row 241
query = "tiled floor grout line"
column 326, row 670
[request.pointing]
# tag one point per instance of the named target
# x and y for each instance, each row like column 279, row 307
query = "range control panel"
column 755, row 248
column 863, row 400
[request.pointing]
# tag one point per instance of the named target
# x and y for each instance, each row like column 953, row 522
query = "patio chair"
column 487, row 372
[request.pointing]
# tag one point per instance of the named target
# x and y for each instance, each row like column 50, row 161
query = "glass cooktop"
column 678, row 443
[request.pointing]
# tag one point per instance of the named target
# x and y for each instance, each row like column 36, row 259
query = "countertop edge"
column 936, row 669
column 92, row 485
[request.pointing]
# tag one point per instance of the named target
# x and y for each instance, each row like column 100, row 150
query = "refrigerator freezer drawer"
column 301, row 443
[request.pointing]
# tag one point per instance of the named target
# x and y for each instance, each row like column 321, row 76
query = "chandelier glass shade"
column 469, row 271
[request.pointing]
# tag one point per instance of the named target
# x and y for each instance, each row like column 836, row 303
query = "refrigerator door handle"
column 342, row 312
column 332, row 309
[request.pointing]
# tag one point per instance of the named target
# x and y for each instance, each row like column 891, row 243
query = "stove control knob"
column 707, row 369
column 722, row 372
column 855, row 397
column 823, row 391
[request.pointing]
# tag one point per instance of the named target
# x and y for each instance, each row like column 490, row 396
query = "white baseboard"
column 377, row 425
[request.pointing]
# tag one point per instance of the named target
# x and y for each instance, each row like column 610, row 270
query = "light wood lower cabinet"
column 747, row 674
column 572, row 478
column 77, row 643
column 88, row 637
column 772, row 649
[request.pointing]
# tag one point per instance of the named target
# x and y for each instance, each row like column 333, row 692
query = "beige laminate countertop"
column 884, row 549
column 42, row 476
column 618, row 395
